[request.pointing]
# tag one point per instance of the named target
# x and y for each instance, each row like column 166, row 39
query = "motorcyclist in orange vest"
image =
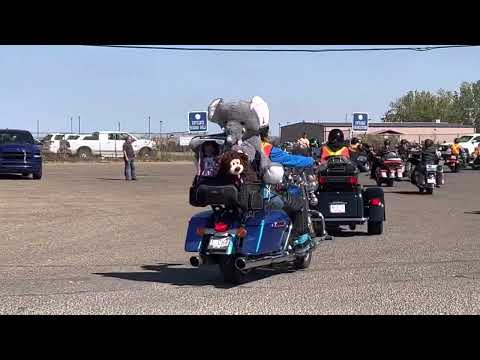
column 335, row 146
column 456, row 148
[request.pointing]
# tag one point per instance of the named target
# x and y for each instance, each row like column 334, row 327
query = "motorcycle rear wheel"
column 230, row 273
column 303, row 262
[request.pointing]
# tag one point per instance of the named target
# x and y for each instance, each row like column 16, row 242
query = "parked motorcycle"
column 391, row 169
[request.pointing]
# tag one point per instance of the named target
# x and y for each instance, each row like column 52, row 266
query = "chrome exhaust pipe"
column 244, row 264
column 196, row 261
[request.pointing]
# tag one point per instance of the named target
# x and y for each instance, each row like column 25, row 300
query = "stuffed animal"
column 241, row 122
column 235, row 168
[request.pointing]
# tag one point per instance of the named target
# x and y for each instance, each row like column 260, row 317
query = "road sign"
column 197, row 121
column 360, row 122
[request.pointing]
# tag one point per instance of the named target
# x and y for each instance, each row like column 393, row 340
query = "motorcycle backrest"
column 339, row 165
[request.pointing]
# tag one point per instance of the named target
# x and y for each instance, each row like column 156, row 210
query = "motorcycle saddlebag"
column 210, row 191
column 193, row 240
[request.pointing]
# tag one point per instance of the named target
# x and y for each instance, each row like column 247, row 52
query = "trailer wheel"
column 375, row 227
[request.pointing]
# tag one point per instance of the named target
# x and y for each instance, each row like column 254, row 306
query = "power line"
column 182, row 48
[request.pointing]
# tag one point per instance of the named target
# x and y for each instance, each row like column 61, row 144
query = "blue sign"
column 197, row 121
column 360, row 122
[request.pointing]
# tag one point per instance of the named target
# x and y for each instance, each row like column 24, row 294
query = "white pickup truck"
column 469, row 142
column 109, row 144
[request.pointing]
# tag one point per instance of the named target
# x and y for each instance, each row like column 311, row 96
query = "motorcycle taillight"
column 353, row 180
column 376, row 202
column 221, row 227
column 322, row 180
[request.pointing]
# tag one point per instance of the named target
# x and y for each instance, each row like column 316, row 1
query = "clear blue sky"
column 105, row 86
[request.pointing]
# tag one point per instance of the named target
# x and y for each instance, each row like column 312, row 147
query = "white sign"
column 185, row 140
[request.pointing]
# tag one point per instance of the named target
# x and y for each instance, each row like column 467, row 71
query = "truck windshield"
column 465, row 138
column 15, row 137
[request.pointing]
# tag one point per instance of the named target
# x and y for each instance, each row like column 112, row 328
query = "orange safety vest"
column 327, row 152
column 456, row 149
column 267, row 148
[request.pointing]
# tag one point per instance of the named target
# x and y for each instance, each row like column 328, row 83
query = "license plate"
column 337, row 208
column 431, row 181
column 219, row 243
column 431, row 167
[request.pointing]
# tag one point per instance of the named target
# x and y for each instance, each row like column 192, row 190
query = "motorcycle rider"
column 428, row 157
column 292, row 204
column 403, row 149
column 335, row 146
column 456, row 148
column 387, row 147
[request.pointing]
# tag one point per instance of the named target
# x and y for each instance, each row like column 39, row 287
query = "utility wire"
column 182, row 48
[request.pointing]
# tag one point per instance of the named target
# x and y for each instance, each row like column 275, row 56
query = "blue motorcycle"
column 240, row 233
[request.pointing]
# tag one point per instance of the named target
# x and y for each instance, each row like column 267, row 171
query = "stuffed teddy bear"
column 235, row 168
column 241, row 122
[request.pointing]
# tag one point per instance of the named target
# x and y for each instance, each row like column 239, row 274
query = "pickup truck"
column 469, row 142
column 109, row 144
column 19, row 154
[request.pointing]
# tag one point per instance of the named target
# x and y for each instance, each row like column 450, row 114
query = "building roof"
column 389, row 124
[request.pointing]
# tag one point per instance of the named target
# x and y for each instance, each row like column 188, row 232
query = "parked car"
column 51, row 142
column 19, row 154
column 109, row 144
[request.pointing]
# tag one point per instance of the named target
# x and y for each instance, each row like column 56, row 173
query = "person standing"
column 129, row 157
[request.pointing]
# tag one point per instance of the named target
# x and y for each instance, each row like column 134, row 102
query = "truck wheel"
column 145, row 154
column 230, row 273
column 430, row 191
column 303, row 262
column 84, row 153
column 37, row 175
column 375, row 227
column 390, row 183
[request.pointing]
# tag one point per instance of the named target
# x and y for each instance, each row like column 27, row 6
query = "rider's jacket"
column 456, row 149
column 429, row 155
column 277, row 155
column 328, row 151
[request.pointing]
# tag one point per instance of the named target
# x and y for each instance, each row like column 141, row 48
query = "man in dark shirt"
column 129, row 157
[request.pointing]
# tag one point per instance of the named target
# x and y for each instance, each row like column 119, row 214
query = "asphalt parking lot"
column 84, row 241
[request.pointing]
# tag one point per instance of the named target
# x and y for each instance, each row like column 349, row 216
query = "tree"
column 458, row 106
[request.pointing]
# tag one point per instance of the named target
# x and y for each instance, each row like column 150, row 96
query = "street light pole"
column 161, row 124
column 79, row 132
column 149, row 136
column 71, row 124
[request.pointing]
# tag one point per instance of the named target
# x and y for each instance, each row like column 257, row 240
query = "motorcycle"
column 426, row 180
column 361, row 160
column 240, row 233
column 390, row 169
column 453, row 162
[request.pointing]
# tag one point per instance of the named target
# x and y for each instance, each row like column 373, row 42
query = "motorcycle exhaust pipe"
column 244, row 264
column 196, row 261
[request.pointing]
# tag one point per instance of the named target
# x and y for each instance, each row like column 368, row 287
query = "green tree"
column 462, row 106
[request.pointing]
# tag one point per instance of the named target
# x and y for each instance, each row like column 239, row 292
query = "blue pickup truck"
column 19, row 154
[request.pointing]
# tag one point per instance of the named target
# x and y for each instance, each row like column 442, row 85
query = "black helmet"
column 386, row 142
column 336, row 136
column 428, row 142
column 403, row 141
column 354, row 141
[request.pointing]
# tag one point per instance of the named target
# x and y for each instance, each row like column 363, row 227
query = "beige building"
column 411, row 131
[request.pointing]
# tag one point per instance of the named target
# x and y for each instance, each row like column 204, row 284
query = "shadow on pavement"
column 408, row 192
column 472, row 212
column 111, row 179
column 188, row 276
column 346, row 233
column 13, row 177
